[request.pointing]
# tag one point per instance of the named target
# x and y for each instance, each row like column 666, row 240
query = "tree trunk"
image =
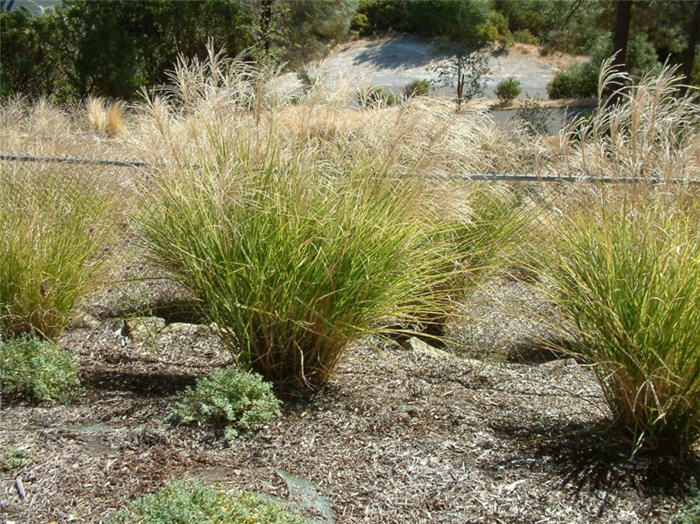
column 622, row 31
column 620, row 39
column 460, row 82
column 693, row 36
column 265, row 23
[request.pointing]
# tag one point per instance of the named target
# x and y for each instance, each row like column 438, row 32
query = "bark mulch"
column 398, row 435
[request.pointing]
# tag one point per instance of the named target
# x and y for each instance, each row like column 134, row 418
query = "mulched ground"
column 398, row 435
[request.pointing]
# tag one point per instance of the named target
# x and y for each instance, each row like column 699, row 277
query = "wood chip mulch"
column 396, row 436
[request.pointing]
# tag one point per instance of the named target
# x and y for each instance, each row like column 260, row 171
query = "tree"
column 468, row 70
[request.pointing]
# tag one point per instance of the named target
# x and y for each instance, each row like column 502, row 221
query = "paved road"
column 393, row 62
column 556, row 117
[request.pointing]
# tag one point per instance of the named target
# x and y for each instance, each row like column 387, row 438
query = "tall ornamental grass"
column 481, row 225
column 54, row 224
column 626, row 275
column 293, row 265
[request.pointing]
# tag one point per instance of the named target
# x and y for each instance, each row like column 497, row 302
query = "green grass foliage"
column 181, row 503
column 293, row 266
column 230, row 399
column 53, row 226
column 38, row 370
column 626, row 275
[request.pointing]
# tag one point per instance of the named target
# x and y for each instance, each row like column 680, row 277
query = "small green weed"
column 230, row 399
column 14, row 458
column 417, row 88
column 37, row 369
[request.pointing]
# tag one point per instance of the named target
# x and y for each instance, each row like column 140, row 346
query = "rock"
column 424, row 348
column 83, row 321
column 142, row 329
column 183, row 328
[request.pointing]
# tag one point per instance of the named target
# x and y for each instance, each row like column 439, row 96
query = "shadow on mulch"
column 597, row 457
column 142, row 384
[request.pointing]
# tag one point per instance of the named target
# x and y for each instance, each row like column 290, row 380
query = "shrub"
column 180, row 503
column 576, row 81
column 627, row 279
column 524, row 36
column 296, row 265
column 508, row 89
column 417, row 88
column 229, row 399
column 533, row 116
column 375, row 97
column 38, row 370
column 53, row 225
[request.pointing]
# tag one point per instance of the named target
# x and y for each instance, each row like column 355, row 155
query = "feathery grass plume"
column 54, row 224
column 107, row 119
column 115, row 125
column 97, row 113
column 625, row 272
column 651, row 133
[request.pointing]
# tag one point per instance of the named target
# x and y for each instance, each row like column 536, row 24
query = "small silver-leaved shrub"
column 230, row 400
column 37, row 369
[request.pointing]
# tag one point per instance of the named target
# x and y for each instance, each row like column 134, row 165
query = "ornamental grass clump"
column 293, row 264
column 480, row 227
column 54, row 224
column 626, row 276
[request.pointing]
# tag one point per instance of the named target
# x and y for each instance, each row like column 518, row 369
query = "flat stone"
column 141, row 329
column 83, row 321
column 424, row 348
column 183, row 328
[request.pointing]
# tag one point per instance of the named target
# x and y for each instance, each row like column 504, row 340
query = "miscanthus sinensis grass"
column 625, row 273
column 650, row 133
column 293, row 266
column 54, row 222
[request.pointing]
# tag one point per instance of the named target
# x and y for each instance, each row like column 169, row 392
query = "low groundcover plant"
column 37, row 369
column 229, row 399
column 183, row 503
